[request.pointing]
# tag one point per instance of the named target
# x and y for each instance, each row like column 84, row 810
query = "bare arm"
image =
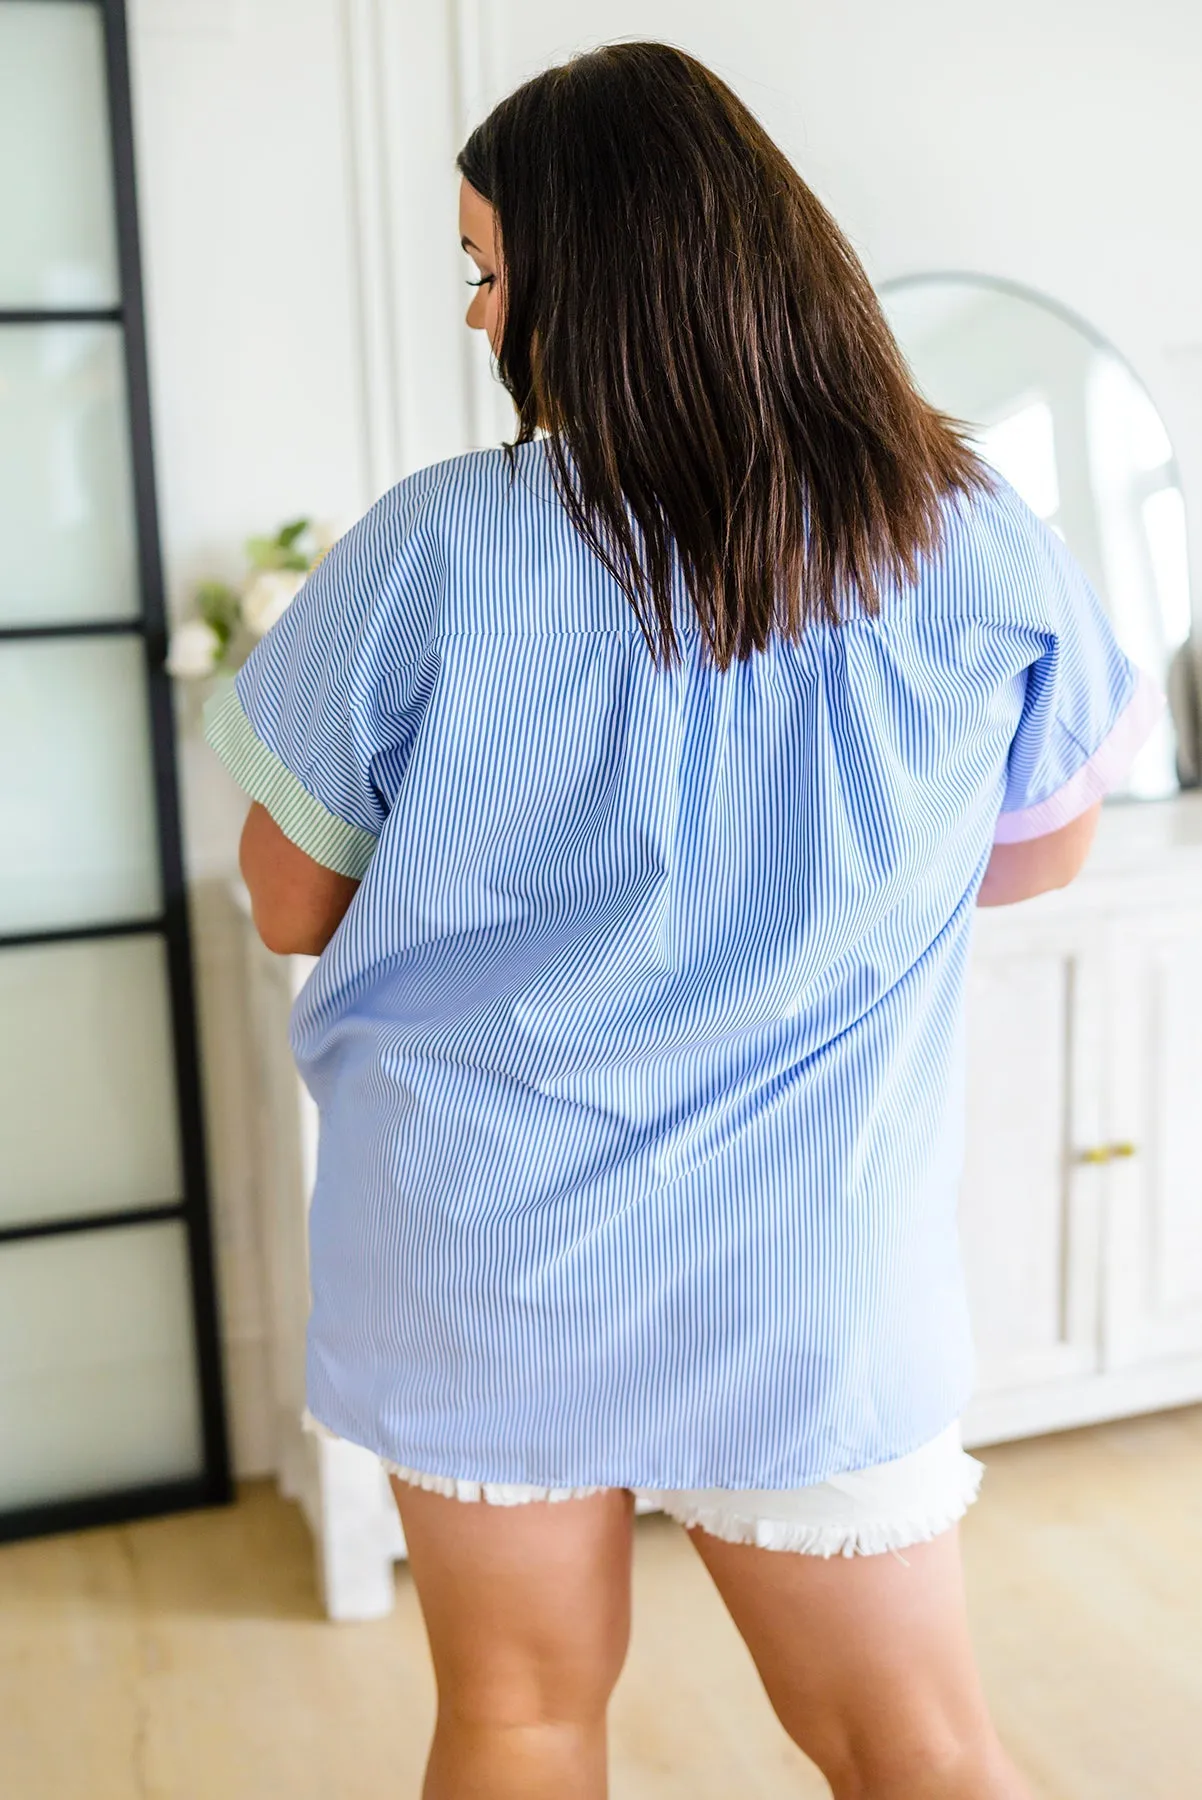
column 1020, row 871
column 297, row 904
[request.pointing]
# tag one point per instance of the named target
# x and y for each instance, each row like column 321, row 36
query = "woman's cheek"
column 494, row 321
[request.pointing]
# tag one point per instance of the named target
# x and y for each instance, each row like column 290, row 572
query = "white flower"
column 267, row 596
column 194, row 650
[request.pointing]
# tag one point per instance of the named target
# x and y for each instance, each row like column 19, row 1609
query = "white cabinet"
column 1081, row 1202
column 1153, row 1248
column 1029, row 1217
column 1084, row 1262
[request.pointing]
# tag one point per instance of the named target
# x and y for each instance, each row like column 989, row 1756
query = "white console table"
column 1081, row 1207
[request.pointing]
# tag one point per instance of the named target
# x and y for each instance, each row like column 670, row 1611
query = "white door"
column 1030, row 1208
column 1153, row 1297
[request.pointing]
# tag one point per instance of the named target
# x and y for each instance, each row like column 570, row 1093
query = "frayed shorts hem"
column 866, row 1512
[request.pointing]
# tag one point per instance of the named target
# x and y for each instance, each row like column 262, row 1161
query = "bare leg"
column 868, row 1664
column 527, row 1610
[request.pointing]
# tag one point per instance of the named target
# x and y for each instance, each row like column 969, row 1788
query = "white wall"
column 1056, row 144
column 304, row 300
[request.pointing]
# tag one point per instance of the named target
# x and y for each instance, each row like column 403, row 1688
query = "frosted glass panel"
column 67, row 539
column 87, row 1099
column 56, row 203
column 98, row 1383
column 77, row 821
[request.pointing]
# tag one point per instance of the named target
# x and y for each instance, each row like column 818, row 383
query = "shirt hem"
column 501, row 1489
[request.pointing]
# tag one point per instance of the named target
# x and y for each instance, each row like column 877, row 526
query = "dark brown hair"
column 690, row 325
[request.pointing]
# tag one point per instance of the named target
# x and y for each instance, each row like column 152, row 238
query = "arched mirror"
column 1059, row 413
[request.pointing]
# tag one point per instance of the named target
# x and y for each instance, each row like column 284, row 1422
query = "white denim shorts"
column 863, row 1513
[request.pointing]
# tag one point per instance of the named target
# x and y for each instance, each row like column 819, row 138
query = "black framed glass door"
column 110, row 1385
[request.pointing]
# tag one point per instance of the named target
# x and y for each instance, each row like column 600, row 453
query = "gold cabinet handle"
column 1106, row 1153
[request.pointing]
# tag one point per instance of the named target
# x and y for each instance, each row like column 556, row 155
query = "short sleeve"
column 326, row 707
column 1086, row 709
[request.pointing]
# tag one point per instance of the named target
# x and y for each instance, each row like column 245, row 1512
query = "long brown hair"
column 689, row 324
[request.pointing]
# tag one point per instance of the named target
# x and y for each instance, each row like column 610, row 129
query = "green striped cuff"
column 321, row 834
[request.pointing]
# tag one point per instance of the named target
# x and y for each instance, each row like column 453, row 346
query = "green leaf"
column 293, row 559
column 218, row 606
column 288, row 534
column 262, row 552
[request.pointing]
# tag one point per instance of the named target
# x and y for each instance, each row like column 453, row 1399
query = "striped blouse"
column 638, row 1054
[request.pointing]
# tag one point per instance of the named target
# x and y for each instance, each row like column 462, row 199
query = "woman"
column 637, row 783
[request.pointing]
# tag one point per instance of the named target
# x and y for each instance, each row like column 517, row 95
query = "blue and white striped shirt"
column 638, row 1053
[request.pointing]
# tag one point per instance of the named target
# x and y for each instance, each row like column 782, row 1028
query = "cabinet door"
column 1029, row 1215
column 1153, row 1298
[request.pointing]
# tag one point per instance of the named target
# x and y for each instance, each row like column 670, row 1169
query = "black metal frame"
column 213, row 1486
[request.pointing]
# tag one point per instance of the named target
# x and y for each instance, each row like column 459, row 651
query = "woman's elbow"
column 1008, row 888
column 287, row 936
column 297, row 904
column 1040, row 865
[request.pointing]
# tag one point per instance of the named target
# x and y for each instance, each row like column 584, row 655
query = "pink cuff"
column 1104, row 770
